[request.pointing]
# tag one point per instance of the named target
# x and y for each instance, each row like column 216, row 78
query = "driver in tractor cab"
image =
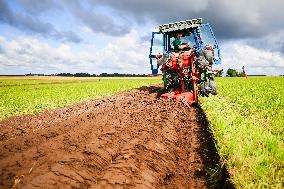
column 178, row 45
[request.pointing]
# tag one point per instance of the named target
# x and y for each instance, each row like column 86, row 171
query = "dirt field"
column 131, row 140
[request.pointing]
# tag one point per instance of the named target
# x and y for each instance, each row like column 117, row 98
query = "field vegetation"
column 31, row 95
column 247, row 119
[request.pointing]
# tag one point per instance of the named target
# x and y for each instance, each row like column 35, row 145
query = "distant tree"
column 65, row 74
column 82, row 75
column 232, row 73
column 100, row 75
column 103, row 75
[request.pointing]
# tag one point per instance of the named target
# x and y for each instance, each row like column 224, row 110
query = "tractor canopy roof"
column 180, row 26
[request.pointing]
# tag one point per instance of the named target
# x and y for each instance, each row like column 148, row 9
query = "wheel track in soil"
column 129, row 140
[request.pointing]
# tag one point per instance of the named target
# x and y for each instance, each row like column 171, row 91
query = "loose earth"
column 130, row 140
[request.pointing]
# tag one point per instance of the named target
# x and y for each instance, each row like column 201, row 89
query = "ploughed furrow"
column 131, row 140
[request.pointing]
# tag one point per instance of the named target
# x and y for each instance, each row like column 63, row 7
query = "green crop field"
column 18, row 96
column 246, row 117
column 10, row 82
column 247, row 121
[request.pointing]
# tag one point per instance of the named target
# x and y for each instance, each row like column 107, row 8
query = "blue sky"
column 49, row 36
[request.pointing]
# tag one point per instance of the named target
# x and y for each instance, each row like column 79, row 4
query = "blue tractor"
column 186, row 64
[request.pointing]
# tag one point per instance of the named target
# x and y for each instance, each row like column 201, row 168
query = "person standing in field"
column 244, row 73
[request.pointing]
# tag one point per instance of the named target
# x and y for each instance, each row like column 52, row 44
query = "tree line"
column 234, row 73
column 230, row 73
column 89, row 75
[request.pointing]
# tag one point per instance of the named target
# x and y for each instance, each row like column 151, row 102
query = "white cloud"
column 125, row 54
column 236, row 54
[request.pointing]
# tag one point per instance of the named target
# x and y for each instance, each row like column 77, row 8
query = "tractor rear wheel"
column 203, row 89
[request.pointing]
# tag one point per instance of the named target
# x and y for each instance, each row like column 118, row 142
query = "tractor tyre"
column 203, row 89
column 212, row 85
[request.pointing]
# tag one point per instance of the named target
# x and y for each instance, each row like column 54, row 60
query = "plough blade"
column 187, row 98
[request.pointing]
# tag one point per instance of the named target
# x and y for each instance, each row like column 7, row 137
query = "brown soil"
column 130, row 140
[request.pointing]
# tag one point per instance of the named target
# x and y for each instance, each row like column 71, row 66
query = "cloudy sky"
column 95, row 36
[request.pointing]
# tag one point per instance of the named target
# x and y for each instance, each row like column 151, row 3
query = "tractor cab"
column 199, row 36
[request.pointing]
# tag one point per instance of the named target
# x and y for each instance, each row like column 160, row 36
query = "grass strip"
column 249, row 140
